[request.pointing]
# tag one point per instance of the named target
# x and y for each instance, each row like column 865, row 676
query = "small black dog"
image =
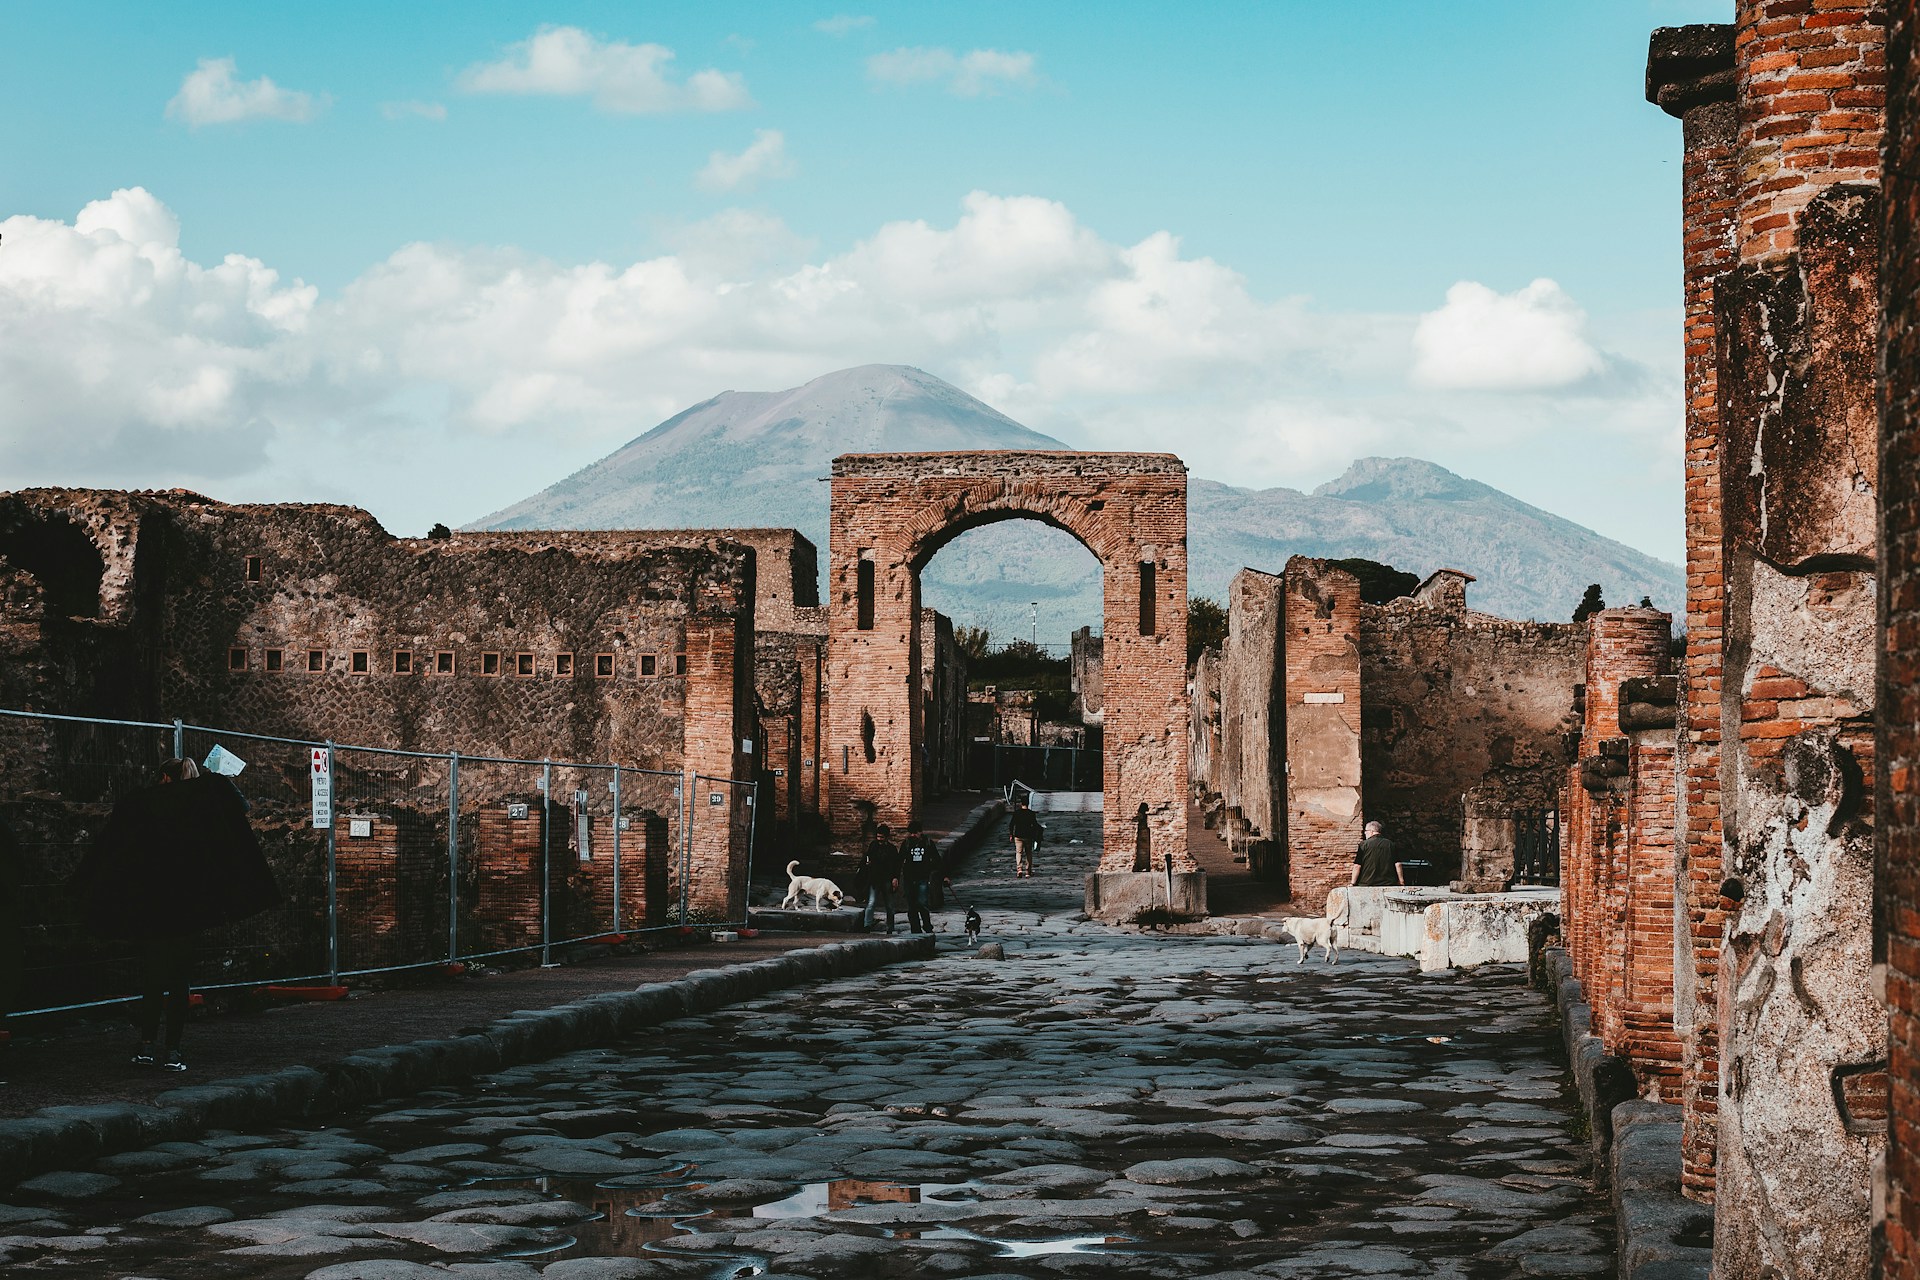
column 973, row 926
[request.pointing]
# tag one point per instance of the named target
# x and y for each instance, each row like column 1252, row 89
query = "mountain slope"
column 757, row 458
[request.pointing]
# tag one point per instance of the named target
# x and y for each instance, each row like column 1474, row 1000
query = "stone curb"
column 72, row 1136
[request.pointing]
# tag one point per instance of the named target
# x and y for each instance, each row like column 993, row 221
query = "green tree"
column 1379, row 583
column 972, row 641
column 1206, row 627
column 1590, row 604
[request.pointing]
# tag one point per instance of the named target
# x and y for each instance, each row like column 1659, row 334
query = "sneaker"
column 173, row 1063
column 144, row 1058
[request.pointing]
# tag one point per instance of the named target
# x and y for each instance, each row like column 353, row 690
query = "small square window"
column 402, row 662
column 361, row 662
column 236, row 659
column 563, row 664
column 679, row 664
column 489, row 664
column 253, row 568
column 649, row 665
column 276, row 659
column 523, row 664
column 603, row 666
column 316, row 659
column 443, row 662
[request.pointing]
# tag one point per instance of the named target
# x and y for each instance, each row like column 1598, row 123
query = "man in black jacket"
column 1026, row 832
column 881, row 867
column 919, row 867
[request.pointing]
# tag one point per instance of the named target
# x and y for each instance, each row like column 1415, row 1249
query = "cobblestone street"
column 1098, row 1103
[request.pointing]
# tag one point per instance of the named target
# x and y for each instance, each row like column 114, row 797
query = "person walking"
column 1026, row 831
column 880, row 864
column 920, row 869
column 1375, row 862
column 174, row 858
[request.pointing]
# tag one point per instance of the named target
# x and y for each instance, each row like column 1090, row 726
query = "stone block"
column 1484, row 928
column 1123, row 897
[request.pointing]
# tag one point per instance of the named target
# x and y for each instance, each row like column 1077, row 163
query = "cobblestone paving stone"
column 1098, row 1103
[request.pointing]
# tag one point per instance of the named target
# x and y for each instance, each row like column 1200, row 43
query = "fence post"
column 333, row 876
column 546, row 865
column 453, row 856
column 616, row 848
column 179, row 739
column 753, row 829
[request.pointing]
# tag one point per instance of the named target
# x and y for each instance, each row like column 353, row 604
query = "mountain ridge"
column 754, row 458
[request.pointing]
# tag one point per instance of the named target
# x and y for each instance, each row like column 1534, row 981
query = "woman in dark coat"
column 174, row 859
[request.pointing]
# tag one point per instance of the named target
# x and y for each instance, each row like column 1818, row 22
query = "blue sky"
column 1298, row 184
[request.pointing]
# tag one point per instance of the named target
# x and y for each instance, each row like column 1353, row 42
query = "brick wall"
column 1690, row 73
column 895, row 511
column 1898, row 749
column 1320, row 628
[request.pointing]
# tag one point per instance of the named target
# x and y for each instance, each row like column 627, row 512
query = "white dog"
column 1320, row 931
column 826, row 894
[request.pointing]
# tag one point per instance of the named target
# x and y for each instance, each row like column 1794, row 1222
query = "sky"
column 428, row 259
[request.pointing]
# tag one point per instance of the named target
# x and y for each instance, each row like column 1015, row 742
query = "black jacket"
column 173, row 859
column 1024, row 826
column 920, row 861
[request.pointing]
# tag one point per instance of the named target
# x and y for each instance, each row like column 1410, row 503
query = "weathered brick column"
column 1898, row 775
column 893, row 512
column 1690, row 75
column 1802, row 1038
column 1320, row 726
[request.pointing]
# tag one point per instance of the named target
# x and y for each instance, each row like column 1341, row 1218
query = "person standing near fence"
column 175, row 858
column 920, row 869
column 1026, row 831
column 880, row 865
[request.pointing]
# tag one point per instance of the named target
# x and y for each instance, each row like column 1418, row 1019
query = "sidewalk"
column 52, row 1063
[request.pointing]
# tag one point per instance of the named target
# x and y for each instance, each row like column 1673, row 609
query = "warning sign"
column 321, row 775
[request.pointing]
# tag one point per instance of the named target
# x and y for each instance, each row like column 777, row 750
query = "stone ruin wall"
column 1322, row 711
column 943, row 717
column 1086, row 680
column 145, row 606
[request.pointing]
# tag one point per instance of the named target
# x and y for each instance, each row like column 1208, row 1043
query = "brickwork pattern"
column 1898, row 754
column 895, row 511
column 1320, row 626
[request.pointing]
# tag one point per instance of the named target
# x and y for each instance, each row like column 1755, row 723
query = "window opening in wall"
column 523, row 664
column 443, row 662
column 649, row 664
column 679, row 664
column 603, row 666
column 1146, row 598
column 402, row 662
column 253, row 568
column 316, row 659
column 563, row 664
column 866, row 735
column 236, row 659
column 276, row 659
column 864, row 586
column 362, row 662
column 489, row 664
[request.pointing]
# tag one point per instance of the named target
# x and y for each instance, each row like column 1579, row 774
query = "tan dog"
column 824, row 891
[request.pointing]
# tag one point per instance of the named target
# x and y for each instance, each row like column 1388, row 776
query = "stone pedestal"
column 1120, row 897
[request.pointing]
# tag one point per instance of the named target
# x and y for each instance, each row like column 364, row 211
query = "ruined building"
column 1323, row 711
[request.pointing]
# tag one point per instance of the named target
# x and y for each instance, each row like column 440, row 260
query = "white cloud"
column 969, row 75
column 633, row 79
column 123, row 362
column 414, row 110
column 841, row 24
column 1531, row 340
column 765, row 158
column 211, row 95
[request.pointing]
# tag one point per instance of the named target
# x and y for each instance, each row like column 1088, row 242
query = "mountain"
column 747, row 459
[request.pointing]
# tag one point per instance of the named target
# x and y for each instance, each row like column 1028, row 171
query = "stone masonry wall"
column 891, row 513
column 1320, row 725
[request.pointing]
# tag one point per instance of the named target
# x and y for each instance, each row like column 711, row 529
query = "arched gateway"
column 893, row 511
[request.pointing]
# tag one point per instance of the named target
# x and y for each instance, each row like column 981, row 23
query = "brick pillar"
column 1897, row 944
column 1690, row 75
column 719, row 719
column 1794, row 330
column 1319, row 625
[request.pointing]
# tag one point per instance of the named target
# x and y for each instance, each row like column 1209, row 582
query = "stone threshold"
column 69, row 1137
column 1636, row 1147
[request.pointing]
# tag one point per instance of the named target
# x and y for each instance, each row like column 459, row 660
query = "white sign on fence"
column 321, row 775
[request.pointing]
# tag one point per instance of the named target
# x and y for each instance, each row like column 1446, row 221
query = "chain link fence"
column 419, row 859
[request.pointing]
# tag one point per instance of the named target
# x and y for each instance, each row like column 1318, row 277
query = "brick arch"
column 895, row 512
